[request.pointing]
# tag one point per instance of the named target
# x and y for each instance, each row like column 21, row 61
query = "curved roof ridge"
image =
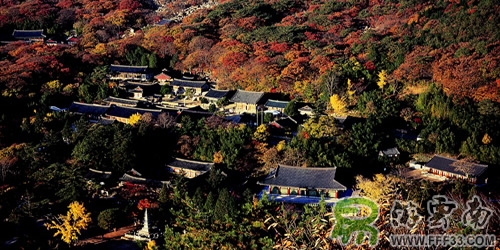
column 130, row 66
column 193, row 161
column 325, row 168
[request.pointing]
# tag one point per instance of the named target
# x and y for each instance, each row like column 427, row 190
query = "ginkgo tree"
column 338, row 103
column 134, row 119
column 382, row 79
column 69, row 226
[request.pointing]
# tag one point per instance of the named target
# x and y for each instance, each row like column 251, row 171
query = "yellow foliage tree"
column 69, row 226
column 54, row 85
column 218, row 158
column 381, row 79
column 487, row 139
column 280, row 146
column 134, row 119
column 350, row 91
column 325, row 126
column 100, row 49
column 261, row 133
column 338, row 103
column 151, row 245
column 379, row 188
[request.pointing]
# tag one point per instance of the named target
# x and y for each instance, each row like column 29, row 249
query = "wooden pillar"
column 288, row 191
column 336, row 194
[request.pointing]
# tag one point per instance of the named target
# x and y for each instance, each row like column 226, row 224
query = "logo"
column 476, row 215
column 440, row 209
column 404, row 214
column 352, row 217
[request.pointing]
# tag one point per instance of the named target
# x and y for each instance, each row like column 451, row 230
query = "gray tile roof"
column 276, row 104
column 189, row 164
column 390, row 151
column 129, row 68
column 287, row 123
column 445, row 164
column 98, row 174
column 306, row 108
column 318, row 178
column 87, row 108
column 188, row 83
column 126, row 112
column 23, row 34
column 248, row 97
column 115, row 100
column 218, row 94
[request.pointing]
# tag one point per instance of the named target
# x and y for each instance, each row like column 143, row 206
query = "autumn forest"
column 419, row 76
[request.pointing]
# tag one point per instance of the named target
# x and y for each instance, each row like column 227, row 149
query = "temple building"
column 189, row 168
column 163, row 78
column 29, row 35
column 247, row 101
column 127, row 72
column 180, row 86
column 276, row 105
column 452, row 168
column 299, row 181
column 214, row 95
column 123, row 114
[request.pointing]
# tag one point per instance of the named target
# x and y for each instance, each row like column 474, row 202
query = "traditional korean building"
column 214, row 95
column 451, row 168
column 306, row 110
column 285, row 126
column 299, row 181
column 138, row 92
column 51, row 42
column 247, row 101
column 276, row 105
column 127, row 72
column 29, row 35
column 189, row 168
column 72, row 40
column 120, row 102
column 93, row 111
column 163, row 78
column 122, row 114
column 180, row 86
column 390, row 152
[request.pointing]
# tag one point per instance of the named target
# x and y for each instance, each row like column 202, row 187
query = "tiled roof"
column 194, row 115
column 445, row 164
column 162, row 76
column 129, row 69
column 218, row 94
column 390, row 151
column 248, row 97
column 188, row 83
column 306, row 108
column 87, row 108
column 276, row 104
column 126, row 112
column 287, row 123
column 288, row 176
column 121, row 101
column 191, row 165
column 22, row 34
column 97, row 174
